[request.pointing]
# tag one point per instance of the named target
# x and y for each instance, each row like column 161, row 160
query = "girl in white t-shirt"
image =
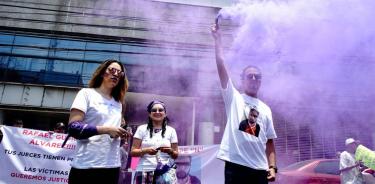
column 95, row 121
column 153, row 142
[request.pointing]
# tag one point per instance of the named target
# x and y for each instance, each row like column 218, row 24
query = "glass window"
column 29, row 64
column 130, row 58
column 102, row 51
column 68, row 49
column 63, row 73
column 31, row 46
column 4, row 61
column 328, row 167
column 144, row 59
column 88, row 70
column 127, row 48
column 137, row 49
column 73, row 67
column 7, row 41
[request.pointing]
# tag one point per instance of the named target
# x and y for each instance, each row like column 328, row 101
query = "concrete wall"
column 144, row 19
column 36, row 96
column 173, row 27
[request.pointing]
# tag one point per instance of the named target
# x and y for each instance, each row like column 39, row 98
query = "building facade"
column 49, row 50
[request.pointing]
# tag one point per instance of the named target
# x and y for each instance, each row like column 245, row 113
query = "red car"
column 316, row 171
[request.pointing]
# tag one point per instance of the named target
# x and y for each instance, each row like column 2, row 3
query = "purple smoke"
column 317, row 60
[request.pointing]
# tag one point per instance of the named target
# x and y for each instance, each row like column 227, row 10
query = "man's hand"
column 223, row 74
column 216, row 32
column 271, row 174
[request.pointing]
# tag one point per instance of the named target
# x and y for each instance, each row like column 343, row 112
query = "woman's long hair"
column 150, row 126
column 119, row 91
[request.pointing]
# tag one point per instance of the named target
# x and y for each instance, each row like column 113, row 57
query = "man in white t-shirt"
column 247, row 146
column 350, row 172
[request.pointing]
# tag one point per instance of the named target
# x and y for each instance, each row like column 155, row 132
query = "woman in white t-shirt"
column 95, row 121
column 153, row 142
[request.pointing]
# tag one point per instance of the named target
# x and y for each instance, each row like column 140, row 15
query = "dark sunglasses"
column 115, row 71
column 253, row 76
column 157, row 109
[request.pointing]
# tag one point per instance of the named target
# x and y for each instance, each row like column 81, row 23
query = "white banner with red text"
column 204, row 164
column 34, row 156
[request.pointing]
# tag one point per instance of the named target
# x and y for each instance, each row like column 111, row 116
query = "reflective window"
column 30, row 64
column 328, row 167
column 6, row 42
column 142, row 49
column 73, row 67
column 142, row 59
column 4, row 61
column 134, row 49
column 68, row 49
column 102, row 51
column 31, row 46
column 88, row 70
column 130, row 58
column 63, row 73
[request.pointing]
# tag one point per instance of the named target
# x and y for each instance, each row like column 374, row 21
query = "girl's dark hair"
column 119, row 91
column 149, row 122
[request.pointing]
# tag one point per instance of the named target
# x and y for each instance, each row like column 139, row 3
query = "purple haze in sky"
column 316, row 56
column 317, row 59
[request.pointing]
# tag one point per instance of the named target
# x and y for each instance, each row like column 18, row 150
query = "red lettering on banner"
column 35, row 142
column 37, row 133
column 55, row 179
column 51, row 145
column 60, row 136
column 27, row 176
column 194, row 149
column 25, row 131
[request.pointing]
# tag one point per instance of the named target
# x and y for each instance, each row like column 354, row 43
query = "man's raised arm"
column 223, row 74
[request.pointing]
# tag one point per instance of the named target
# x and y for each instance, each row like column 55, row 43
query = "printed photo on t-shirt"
column 245, row 126
column 250, row 125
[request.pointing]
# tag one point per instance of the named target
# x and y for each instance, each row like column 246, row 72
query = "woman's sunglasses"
column 253, row 77
column 157, row 109
column 115, row 71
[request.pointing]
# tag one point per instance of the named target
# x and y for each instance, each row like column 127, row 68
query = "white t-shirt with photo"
column 238, row 146
column 99, row 151
column 149, row 162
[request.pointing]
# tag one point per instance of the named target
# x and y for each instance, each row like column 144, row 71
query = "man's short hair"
column 247, row 67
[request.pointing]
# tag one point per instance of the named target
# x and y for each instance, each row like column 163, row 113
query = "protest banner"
column 34, row 156
column 204, row 164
